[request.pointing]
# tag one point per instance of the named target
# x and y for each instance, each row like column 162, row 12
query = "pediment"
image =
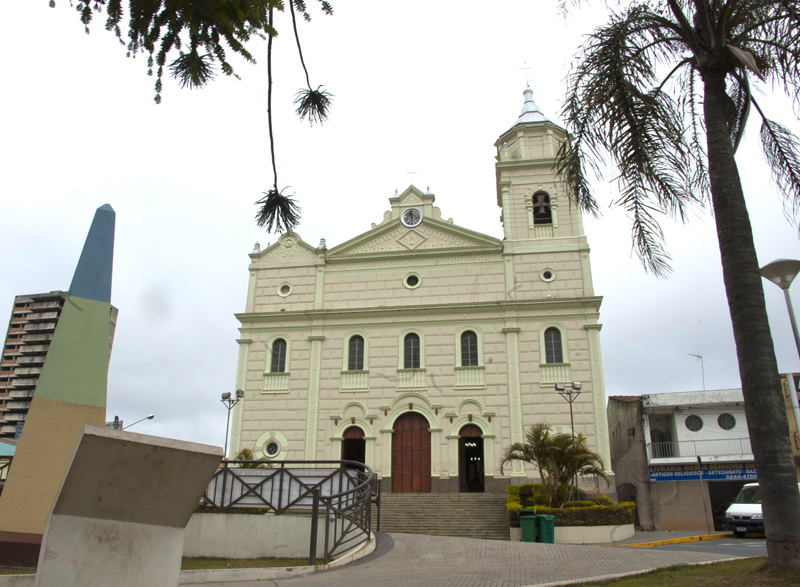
column 289, row 249
column 431, row 235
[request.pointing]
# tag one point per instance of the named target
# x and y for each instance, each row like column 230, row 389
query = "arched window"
column 355, row 353
column 278, row 363
column 553, row 352
column 411, row 351
column 542, row 213
column 469, row 349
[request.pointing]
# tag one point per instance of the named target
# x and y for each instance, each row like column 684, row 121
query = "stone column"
column 514, row 393
column 312, row 414
column 241, row 383
column 599, row 393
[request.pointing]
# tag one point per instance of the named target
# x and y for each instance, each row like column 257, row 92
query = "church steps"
column 472, row 515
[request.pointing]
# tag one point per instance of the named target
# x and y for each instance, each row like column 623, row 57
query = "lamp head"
column 576, row 385
column 150, row 417
column 226, row 396
column 239, row 394
column 781, row 272
column 560, row 387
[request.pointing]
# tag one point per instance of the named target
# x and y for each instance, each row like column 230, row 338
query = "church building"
column 423, row 348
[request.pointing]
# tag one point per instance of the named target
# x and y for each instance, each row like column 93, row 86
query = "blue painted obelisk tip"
column 92, row 279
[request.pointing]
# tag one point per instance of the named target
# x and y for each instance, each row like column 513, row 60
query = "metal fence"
column 701, row 448
column 338, row 493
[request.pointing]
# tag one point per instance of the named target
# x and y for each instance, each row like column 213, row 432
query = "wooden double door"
column 411, row 454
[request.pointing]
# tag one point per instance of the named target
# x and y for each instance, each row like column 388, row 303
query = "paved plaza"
column 413, row 560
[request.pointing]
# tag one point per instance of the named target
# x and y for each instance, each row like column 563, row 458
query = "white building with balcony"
column 682, row 457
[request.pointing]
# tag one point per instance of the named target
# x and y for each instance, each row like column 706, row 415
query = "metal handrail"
column 342, row 489
column 701, row 448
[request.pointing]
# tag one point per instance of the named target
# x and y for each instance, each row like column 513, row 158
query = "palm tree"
column 665, row 89
column 557, row 457
column 247, row 455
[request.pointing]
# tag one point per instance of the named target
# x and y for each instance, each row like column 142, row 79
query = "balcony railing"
column 355, row 380
column 275, row 382
column 554, row 373
column 336, row 493
column 470, row 377
column 411, row 378
column 700, row 448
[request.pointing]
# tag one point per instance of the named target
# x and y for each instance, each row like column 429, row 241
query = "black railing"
column 337, row 492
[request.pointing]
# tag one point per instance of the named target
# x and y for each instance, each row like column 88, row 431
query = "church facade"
column 423, row 348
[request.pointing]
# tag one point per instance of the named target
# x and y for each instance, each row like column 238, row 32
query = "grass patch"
column 13, row 571
column 753, row 572
column 205, row 563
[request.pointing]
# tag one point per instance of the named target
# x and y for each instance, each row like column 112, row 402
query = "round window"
column 547, row 274
column 694, row 423
column 271, row 448
column 412, row 281
column 726, row 421
column 284, row 289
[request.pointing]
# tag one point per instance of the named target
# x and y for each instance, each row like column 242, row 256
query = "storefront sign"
column 711, row 472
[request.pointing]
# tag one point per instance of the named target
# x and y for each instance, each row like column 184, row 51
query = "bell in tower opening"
column 541, row 208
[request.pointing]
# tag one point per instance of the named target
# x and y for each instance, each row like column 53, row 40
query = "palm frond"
column 740, row 100
column 192, row 69
column 313, row 104
column 642, row 131
column 278, row 211
column 782, row 151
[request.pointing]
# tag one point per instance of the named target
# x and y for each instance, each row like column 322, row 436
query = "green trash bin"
column 545, row 529
column 527, row 522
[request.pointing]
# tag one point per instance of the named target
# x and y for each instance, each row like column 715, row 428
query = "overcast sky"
column 419, row 86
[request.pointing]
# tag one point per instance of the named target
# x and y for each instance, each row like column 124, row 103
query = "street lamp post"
column 782, row 272
column 571, row 393
column 150, row 417
column 229, row 402
column 117, row 424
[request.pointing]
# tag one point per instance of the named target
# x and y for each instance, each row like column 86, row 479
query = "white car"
column 744, row 514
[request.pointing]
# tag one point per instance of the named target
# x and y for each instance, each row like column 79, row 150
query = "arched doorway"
column 470, row 459
column 411, row 454
column 354, row 446
column 627, row 492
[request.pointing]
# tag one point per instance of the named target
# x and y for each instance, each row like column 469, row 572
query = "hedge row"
column 588, row 510
column 596, row 515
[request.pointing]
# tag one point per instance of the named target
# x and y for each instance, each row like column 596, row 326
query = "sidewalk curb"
column 623, row 575
column 678, row 540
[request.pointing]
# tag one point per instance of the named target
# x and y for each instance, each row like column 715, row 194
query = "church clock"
column 411, row 217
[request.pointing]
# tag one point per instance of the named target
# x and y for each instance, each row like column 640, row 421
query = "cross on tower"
column 526, row 68
column 411, row 173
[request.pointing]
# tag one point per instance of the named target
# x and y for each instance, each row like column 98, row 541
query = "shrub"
column 594, row 515
column 583, row 503
column 600, row 499
column 513, row 514
column 590, row 510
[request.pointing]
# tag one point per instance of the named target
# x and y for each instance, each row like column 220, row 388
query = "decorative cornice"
column 590, row 305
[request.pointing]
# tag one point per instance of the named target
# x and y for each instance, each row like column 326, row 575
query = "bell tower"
column 534, row 200
column 542, row 228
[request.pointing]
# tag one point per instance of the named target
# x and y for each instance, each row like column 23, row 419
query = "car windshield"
column 749, row 495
